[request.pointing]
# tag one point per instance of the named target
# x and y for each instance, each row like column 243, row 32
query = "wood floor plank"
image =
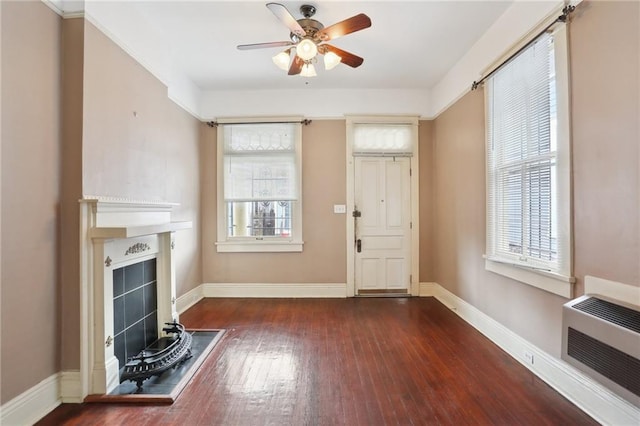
column 351, row 361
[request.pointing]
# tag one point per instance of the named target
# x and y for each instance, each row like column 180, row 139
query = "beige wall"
column 605, row 72
column 71, row 188
column 139, row 145
column 323, row 259
column 31, row 158
column 427, row 201
column 605, row 161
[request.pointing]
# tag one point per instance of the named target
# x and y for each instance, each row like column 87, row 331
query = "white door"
column 382, row 199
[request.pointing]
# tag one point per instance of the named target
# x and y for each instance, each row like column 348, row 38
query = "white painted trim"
column 350, row 191
column 556, row 284
column 32, row 404
column 70, row 387
column 189, row 299
column 262, row 246
column 66, row 8
column 590, row 396
column 275, row 290
column 54, row 5
column 414, row 182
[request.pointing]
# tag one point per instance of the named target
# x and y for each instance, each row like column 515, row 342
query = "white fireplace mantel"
column 137, row 231
column 115, row 233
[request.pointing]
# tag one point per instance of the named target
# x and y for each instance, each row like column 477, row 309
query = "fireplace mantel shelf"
column 137, row 230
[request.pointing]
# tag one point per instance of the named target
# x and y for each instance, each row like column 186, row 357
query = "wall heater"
column 601, row 337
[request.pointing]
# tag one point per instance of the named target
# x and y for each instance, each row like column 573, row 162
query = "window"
column 528, row 176
column 259, row 202
column 383, row 139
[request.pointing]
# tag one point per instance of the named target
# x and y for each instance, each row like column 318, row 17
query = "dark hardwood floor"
column 359, row 361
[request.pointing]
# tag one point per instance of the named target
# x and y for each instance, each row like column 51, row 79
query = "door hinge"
column 410, row 279
column 410, row 171
column 410, row 225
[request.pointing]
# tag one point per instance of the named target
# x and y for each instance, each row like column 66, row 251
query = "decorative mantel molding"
column 137, row 248
column 114, row 233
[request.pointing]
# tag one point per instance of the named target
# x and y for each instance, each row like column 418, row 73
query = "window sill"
column 547, row 281
column 259, row 246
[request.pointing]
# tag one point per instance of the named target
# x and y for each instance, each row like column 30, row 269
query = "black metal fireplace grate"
column 165, row 353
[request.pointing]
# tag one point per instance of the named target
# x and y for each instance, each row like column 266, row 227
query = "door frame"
column 415, row 200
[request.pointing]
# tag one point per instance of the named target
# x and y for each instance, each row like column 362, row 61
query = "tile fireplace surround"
column 114, row 234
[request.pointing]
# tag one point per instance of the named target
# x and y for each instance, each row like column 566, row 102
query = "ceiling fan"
column 308, row 39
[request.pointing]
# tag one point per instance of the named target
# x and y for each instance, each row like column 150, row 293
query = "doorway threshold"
column 396, row 292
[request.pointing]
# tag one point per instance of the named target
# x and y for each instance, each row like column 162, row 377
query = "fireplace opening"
column 135, row 309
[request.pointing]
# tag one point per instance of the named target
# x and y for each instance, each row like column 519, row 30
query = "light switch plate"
column 339, row 208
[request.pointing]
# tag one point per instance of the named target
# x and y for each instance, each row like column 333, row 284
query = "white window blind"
column 260, row 162
column 259, row 186
column 524, row 204
column 383, row 139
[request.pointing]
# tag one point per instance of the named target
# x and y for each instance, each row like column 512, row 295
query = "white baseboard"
column 590, row 396
column 273, row 290
column 427, row 289
column 70, row 389
column 33, row 404
column 189, row 299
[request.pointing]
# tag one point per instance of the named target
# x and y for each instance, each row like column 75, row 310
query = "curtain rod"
column 216, row 124
column 566, row 11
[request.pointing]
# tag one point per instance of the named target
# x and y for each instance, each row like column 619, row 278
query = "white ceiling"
column 410, row 45
column 408, row 51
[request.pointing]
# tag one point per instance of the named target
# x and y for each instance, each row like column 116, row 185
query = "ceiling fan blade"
column 348, row 26
column 283, row 14
column 350, row 59
column 264, row 45
column 296, row 65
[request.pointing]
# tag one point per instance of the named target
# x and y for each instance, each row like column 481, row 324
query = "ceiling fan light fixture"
column 306, row 49
column 331, row 60
column 308, row 37
column 308, row 70
column 282, row 60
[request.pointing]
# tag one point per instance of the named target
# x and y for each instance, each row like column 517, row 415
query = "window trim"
column 556, row 283
column 274, row 244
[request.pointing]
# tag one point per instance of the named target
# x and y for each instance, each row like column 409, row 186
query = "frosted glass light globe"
column 306, row 49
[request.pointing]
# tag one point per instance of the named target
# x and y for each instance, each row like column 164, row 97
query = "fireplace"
column 135, row 308
column 127, row 284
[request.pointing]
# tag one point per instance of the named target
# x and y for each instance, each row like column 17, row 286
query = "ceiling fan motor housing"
column 311, row 27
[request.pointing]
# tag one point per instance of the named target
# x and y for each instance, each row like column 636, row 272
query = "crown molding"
column 511, row 27
column 66, row 8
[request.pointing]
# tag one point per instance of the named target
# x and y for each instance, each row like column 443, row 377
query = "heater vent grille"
column 616, row 314
column 616, row 365
column 602, row 338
